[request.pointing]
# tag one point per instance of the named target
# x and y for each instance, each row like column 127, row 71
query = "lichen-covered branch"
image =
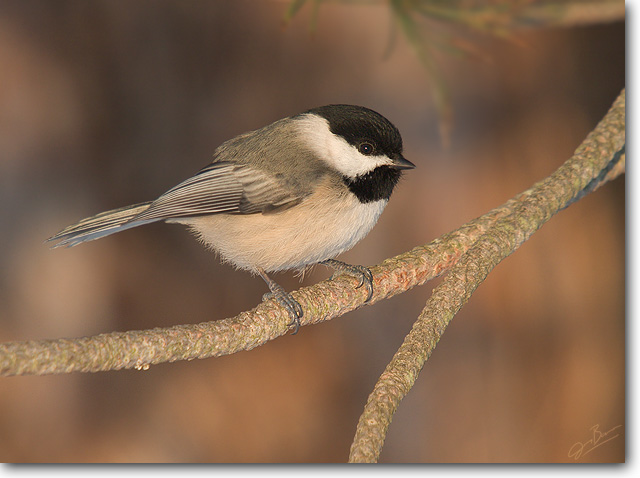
column 321, row 302
column 529, row 211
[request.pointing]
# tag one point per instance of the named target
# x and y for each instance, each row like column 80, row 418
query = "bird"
column 292, row 194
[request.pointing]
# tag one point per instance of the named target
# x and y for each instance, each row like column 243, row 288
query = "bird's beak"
column 400, row 163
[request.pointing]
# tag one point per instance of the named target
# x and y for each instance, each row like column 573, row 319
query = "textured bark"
column 529, row 211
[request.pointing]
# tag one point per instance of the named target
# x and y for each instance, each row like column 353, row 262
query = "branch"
column 321, row 302
column 529, row 211
column 496, row 15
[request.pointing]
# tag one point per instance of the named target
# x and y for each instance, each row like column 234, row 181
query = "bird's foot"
column 362, row 272
column 285, row 299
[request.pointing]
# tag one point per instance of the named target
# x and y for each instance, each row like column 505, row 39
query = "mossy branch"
column 321, row 302
column 493, row 236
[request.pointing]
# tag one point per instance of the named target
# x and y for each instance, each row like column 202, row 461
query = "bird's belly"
column 305, row 234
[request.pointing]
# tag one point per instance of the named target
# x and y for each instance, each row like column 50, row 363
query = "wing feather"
column 223, row 187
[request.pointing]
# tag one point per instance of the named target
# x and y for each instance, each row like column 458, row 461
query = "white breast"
column 318, row 228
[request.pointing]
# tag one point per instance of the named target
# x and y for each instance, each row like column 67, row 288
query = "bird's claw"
column 362, row 272
column 287, row 301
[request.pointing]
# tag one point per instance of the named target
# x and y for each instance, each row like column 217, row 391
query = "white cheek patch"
column 335, row 150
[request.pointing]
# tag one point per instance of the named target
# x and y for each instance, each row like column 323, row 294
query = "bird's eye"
column 365, row 148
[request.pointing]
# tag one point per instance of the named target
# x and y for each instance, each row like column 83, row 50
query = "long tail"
column 100, row 225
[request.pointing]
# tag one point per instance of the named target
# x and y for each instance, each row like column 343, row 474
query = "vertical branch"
column 535, row 207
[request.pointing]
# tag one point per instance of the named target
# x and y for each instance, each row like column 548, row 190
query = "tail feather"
column 100, row 225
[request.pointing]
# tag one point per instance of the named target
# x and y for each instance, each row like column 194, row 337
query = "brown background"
column 104, row 104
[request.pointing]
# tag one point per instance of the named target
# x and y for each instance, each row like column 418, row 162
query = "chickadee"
column 297, row 192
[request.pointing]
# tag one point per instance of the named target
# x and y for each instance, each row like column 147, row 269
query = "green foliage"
column 497, row 18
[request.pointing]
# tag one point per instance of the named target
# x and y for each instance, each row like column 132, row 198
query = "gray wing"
column 223, row 187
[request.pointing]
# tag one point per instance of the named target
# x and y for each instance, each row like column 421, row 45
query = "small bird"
column 292, row 194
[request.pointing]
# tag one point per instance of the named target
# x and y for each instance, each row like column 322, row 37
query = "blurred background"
column 104, row 104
